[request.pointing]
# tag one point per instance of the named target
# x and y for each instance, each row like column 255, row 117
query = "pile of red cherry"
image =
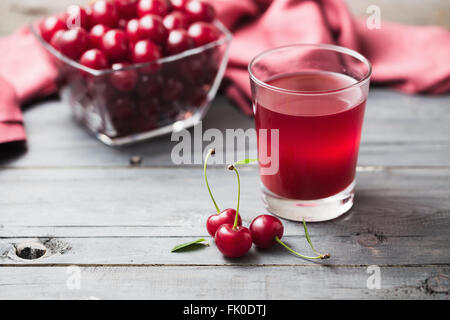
column 235, row 240
column 114, row 34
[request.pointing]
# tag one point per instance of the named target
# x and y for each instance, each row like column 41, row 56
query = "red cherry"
column 179, row 4
column 199, row 11
column 77, row 16
column 148, row 109
column 55, row 41
column 173, row 89
column 115, row 44
column 123, row 80
column 233, row 242
column 104, row 12
column 148, row 115
column 178, row 41
column 151, row 27
column 50, row 25
column 127, row 9
column 145, row 51
column 145, row 123
column 176, row 20
column 227, row 216
column 122, row 24
column 197, row 96
column 203, row 33
column 231, row 239
column 96, row 35
column 133, row 30
column 158, row 7
column 264, row 229
column 150, row 85
column 73, row 43
column 122, row 111
column 94, row 59
column 130, row 49
column 194, row 67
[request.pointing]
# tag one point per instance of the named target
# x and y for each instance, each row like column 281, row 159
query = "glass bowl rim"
column 226, row 39
column 322, row 46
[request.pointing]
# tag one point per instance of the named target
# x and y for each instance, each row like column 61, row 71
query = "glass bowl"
column 146, row 100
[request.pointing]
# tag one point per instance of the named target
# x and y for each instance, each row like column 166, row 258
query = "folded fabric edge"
column 12, row 132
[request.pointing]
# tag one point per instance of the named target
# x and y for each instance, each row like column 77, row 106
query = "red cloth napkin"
column 11, row 128
column 25, row 73
column 408, row 58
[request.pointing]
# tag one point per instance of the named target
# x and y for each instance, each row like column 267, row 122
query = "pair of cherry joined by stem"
column 227, row 216
column 234, row 240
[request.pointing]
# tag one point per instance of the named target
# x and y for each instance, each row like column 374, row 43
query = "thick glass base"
column 310, row 210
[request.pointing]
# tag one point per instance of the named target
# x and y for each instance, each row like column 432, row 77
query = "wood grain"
column 399, row 130
column 89, row 207
column 352, row 250
column 394, row 201
column 404, row 211
column 218, row 282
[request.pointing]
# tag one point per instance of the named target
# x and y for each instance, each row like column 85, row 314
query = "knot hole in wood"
column 30, row 250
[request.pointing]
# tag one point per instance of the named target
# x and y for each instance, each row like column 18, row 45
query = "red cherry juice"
column 319, row 133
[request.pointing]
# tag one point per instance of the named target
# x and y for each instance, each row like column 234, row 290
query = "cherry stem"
column 233, row 167
column 320, row 256
column 308, row 238
column 210, row 152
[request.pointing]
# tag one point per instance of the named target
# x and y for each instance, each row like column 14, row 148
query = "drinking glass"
column 309, row 102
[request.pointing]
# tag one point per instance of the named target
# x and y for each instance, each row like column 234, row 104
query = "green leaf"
column 245, row 161
column 307, row 237
column 190, row 244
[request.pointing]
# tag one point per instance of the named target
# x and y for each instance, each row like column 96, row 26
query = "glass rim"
column 226, row 39
column 329, row 47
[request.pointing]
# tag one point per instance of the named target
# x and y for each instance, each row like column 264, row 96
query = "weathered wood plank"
column 130, row 216
column 78, row 197
column 174, row 201
column 399, row 130
column 363, row 249
column 218, row 282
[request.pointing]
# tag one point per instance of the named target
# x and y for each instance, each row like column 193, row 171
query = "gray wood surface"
column 194, row 282
column 399, row 130
column 90, row 208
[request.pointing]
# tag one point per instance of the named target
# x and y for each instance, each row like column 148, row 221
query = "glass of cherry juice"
column 309, row 103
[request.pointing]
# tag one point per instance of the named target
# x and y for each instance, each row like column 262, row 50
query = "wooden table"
column 117, row 223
